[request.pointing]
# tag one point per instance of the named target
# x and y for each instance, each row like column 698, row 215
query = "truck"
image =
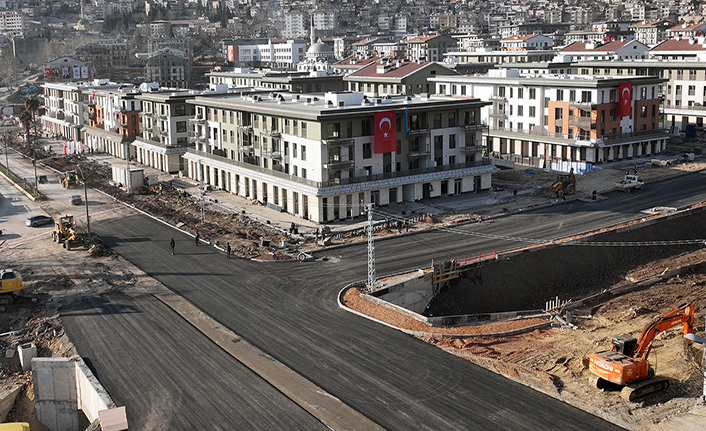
column 11, row 282
column 629, row 183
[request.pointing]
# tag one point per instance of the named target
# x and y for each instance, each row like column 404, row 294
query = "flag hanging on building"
column 406, row 120
column 625, row 89
column 47, row 70
column 385, row 132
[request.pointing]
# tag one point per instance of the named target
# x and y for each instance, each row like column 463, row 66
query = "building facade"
column 317, row 156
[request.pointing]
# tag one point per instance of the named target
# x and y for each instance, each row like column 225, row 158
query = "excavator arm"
column 683, row 314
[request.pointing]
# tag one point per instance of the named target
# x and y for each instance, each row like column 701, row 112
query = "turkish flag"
column 385, row 132
column 625, row 89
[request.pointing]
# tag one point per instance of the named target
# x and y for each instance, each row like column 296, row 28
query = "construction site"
column 603, row 287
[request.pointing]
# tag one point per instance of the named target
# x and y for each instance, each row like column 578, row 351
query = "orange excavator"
column 625, row 364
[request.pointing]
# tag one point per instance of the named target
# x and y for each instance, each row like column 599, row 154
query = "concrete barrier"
column 62, row 387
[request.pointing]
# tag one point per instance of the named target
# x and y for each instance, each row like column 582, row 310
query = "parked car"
column 75, row 200
column 39, row 220
column 42, row 179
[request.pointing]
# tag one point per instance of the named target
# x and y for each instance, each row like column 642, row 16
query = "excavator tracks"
column 635, row 391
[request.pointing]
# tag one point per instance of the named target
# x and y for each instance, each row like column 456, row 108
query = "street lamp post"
column 85, row 198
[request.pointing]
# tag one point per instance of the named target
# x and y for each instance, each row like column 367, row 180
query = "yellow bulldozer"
column 565, row 185
column 66, row 232
column 69, row 179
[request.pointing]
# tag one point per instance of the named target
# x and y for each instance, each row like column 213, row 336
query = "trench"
column 525, row 281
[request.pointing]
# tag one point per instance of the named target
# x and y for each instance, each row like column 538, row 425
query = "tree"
column 26, row 120
column 10, row 69
column 32, row 105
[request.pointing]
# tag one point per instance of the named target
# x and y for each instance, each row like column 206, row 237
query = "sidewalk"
column 487, row 203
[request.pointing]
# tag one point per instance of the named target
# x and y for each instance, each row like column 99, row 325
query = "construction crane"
column 625, row 364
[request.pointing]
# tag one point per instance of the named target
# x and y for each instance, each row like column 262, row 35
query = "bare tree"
column 10, row 68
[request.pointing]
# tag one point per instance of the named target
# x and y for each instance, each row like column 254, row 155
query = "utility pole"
column 6, row 140
column 372, row 280
column 128, row 174
column 85, row 198
column 202, row 192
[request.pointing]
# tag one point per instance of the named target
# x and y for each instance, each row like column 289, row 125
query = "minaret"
column 311, row 35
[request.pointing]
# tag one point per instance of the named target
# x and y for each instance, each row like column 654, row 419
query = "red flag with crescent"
column 385, row 132
column 625, row 89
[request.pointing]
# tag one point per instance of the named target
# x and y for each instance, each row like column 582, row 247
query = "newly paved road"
column 170, row 378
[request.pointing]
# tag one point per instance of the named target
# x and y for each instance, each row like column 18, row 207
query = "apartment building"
column 615, row 50
column 326, row 156
column 283, row 54
column 112, row 118
column 564, row 121
column 395, row 77
column 528, row 42
column 651, row 32
column 165, row 127
column 429, row 48
column 169, row 67
column 12, row 23
column 686, row 31
column 294, row 25
column 65, row 105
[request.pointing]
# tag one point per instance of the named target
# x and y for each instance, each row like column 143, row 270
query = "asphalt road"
column 289, row 312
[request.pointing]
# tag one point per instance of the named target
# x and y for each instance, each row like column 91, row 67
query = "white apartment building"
column 277, row 54
column 294, row 25
column 12, row 23
column 324, row 20
column 315, row 155
column 65, row 107
column 563, row 121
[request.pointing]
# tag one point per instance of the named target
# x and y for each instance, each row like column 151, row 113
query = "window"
column 452, row 119
column 643, row 112
column 586, row 96
column 294, row 150
column 452, row 141
column 367, row 128
column 367, row 150
column 303, row 173
column 692, row 90
column 572, row 95
column 436, row 120
column 181, row 126
column 692, row 75
column 520, row 110
column 558, row 113
column 532, row 111
column 559, row 95
column 303, row 135
column 463, row 90
column 520, row 126
column 303, row 154
column 520, row 93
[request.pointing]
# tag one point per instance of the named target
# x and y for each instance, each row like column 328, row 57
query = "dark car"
column 39, row 220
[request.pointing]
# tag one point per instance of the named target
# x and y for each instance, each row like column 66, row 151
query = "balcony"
column 335, row 162
column 474, row 127
column 584, row 106
column 472, row 149
column 338, row 142
column 246, row 148
column 582, row 123
column 498, row 114
column 421, row 151
column 415, row 131
column 274, row 155
column 197, row 120
column 271, row 133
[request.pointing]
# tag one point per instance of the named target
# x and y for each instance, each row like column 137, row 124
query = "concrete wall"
column 412, row 293
column 62, row 387
column 55, row 393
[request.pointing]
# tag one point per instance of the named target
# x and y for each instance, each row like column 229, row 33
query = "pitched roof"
column 518, row 38
column 608, row 47
column 357, row 61
column 404, row 69
column 647, row 23
column 678, row 45
column 683, row 27
column 366, row 41
column 420, row 39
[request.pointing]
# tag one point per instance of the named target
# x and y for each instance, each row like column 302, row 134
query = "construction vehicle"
column 625, row 364
column 69, row 179
column 15, row 426
column 65, row 232
column 11, row 282
column 565, row 185
column 629, row 182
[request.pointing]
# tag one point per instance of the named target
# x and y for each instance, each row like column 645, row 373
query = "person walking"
column 197, row 238
column 171, row 245
column 228, row 250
